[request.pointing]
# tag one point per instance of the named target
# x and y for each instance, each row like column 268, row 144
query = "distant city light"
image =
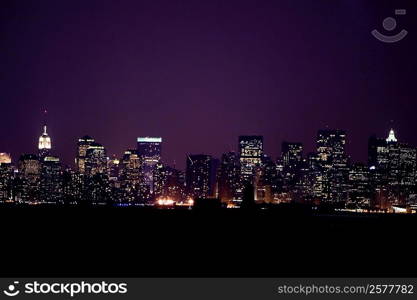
column 149, row 139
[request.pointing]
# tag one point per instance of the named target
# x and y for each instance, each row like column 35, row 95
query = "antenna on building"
column 45, row 114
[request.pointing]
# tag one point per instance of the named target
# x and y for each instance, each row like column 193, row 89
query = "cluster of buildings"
column 388, row 182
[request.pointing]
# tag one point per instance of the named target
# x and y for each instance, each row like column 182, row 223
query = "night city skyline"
column 181, row 163
column 190, row 100
column 327, row 176
column 242, row 143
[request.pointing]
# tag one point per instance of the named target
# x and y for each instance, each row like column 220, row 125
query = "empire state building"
column 45, row 144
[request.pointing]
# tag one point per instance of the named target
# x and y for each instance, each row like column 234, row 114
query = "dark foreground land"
column 148, row 242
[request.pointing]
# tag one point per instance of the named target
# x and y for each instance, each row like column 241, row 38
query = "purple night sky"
column 200, row 73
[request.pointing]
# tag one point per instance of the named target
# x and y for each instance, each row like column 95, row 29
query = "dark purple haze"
column 200, row 73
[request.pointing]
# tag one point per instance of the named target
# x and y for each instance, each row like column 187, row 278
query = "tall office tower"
column 51, row 190
column 228, row 178
column 73, row 186
column 174, row 184
column 314, row 177
column 266, row 180
column 378, row 157
column 331, row 148
column 29, row 166
column 95, row 160
column 359, row 186
column 97, row 190
column 378, row 164
column 215, row 164
column 394, row 161
column 159, row 180
column 407, row 167
column 198, row 175
column 304, row 183
column 27, row 189
column 45, row 144
column 168, row 183
column 130, row 176
column 393, row 168
column 149, row 150
column 251, row 151
column 333, row 163
column 83, row 144
column 401, row 170
column 113, row 170
column 6, row 177
column 92, row 161
column 292, row 154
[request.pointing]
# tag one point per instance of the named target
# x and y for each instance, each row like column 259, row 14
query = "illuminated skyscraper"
column 29, row 176
column 391, row 137
column 251, row 151
column 229, row 183
column 113, row 169
column 333, row 163
column 377, row 153
column 51, row 190
column 130, row 176
column 292, row 154
column 45, row 144
column 331, row 146
column 198, row 175
column 172, row 184
column 407, row 167
column 83, row 144
column 359, row 185
column 149, row 150
column 92, row 163
column 392, row 166
column 265, row 180
column 95, row 160
column 6, row 177
column 73, row 186
column 29, row 166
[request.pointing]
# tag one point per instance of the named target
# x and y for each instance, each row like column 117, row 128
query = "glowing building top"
column 391, row 136
column 45, row 144
column 45, row 140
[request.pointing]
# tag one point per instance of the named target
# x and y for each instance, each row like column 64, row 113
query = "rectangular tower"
column 251, row 151
column 149, row 150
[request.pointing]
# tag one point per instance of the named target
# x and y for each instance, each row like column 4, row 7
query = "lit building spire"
column 391, row 136
column 45, row 143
